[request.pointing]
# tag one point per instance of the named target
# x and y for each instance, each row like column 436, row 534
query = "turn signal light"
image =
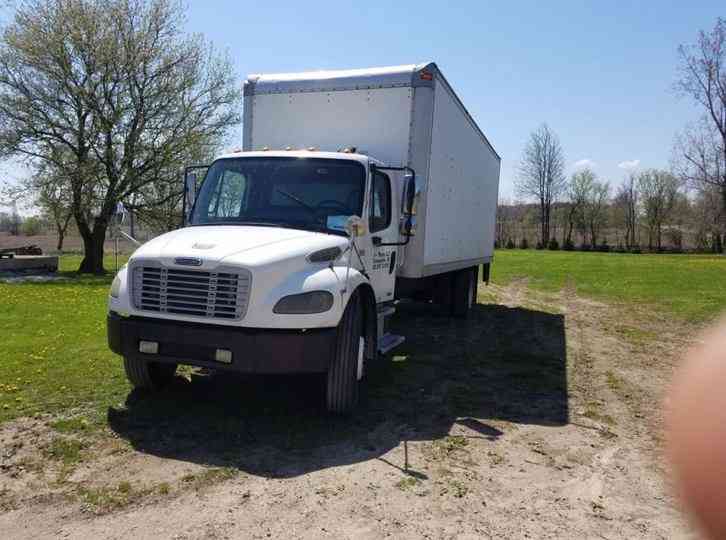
column 223, row 355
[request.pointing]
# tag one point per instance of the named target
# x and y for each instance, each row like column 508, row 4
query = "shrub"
column 553, row 244
column 539, row 246
column 604, row 247
column 585, row 247
column 524, row 244
column 568, row 245
column 510, row 244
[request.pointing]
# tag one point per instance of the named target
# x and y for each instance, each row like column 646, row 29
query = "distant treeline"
column 628, row 222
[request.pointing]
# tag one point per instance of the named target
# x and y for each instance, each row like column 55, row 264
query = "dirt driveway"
column 536, row 418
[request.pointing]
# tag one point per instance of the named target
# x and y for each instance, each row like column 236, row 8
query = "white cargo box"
column 403, row 115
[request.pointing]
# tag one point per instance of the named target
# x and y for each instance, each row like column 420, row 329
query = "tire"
column 463, row 294
column 342, row 387
column 148, row 375
column 442, row 290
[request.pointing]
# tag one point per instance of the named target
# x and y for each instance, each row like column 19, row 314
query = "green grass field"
column 53, row 352
column 689, row 287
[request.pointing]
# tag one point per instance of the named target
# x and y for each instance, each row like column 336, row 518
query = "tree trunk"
column 659, row 236
column 716, row 244
column 62, row 226
column 546, row 228
column 61, row 237
column 92, row 262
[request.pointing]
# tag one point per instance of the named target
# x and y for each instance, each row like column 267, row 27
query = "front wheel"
column 346, row 366
column 148, row 375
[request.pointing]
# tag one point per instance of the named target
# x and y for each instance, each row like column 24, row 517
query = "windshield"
column 306, row 193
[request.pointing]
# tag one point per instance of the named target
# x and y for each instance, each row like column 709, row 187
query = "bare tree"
column 701, row 149
column 596, row 210
column 541, row 174
column 707, row 212
column 578, row 192
column 589, row 203
column 626, row 209
column 53, row 197
column 657, row 191
column 111, row 93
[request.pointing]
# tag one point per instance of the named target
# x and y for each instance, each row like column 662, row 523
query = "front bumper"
column 254, row 350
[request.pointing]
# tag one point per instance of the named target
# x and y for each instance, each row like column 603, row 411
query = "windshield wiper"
column 302, row 203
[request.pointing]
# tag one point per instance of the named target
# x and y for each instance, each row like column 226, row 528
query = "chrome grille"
column 222, row 294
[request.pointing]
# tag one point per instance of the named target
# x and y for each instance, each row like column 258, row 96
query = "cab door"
column 383, row 226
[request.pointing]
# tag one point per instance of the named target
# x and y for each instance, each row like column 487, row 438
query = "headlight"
column 115, row 287
column 305, row 303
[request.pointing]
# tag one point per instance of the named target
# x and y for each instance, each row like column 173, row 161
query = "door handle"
column 377, row 240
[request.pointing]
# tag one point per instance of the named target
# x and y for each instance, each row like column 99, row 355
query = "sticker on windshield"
column 337, row 222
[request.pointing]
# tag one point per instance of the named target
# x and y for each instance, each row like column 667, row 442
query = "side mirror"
column 355, row 226
column 408, row 225
column 190, row 193
column 409, row 194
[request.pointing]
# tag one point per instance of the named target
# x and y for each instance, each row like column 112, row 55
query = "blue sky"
column 600, row 73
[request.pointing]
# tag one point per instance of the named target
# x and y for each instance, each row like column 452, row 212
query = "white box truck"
column 354, row 189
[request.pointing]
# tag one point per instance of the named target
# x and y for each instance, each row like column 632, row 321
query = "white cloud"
column 584, row 164
column 629, row 165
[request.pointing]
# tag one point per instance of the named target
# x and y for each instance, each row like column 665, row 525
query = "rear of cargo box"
column 405, row 115
column 458, row 171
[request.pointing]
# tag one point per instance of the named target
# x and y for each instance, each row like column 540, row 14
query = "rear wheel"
column 346, row 366
column 463, row 294
column 148, row 375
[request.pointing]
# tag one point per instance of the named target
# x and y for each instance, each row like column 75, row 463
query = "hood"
column 245, row 245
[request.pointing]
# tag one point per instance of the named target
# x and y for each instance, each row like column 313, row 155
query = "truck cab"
column 279, row 250
column 295, row 250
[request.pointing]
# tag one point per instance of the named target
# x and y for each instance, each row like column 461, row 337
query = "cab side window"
column 380, row 217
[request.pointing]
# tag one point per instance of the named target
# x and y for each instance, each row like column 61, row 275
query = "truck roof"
column 344, row 79
column 362, row 158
